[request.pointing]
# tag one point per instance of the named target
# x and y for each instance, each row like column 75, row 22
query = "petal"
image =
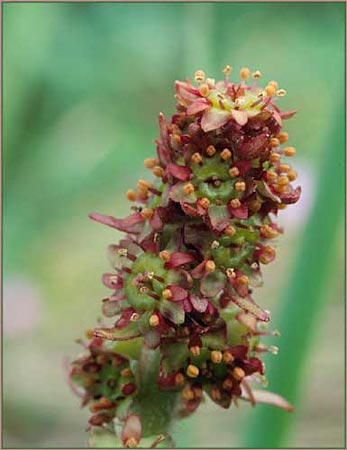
column 212, row 284
column 111, row 308
column 239, row 213
column 178, row 293
column 219, row 217
column 214, row 118
column 172, row 311
column 132, row 429
column 199, row 105
column 199, row 303
column 112, row 281
column 249, row 305
column 156, row 221
column 179, row 259
column 288, row 114
column 240, row 117
column 270, row 398
column 186, row 93
column 118, row 334
column 291, row 197
column 265, row 191
column 182, row 173
column 177, row 194
column 130, row 224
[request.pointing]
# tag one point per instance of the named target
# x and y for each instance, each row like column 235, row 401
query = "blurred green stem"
column 304, row 296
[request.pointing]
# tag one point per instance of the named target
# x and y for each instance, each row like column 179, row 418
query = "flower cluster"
column 183, row 275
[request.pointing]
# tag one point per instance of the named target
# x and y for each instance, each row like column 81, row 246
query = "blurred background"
column 82, row 87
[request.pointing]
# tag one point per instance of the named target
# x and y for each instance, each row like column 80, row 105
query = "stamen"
column 216, row 356
column 147, row 213
column 270, row 90
column 210, row 151
column 256, row 75
column 234, row 172
column 199, row 76
column 204, row 202
column 188, row 394
column 149, row 163
column 230, row 272
column 240, row 186
column 154, row 320
column 192, row 371
column 225, row 154
column 292, row 175
column 230, row 230
column 289, row 151
column 131, row 195
column 244, row 73
column 283, row 180
column 196, row 158
column 274, row 142
column 188, row 189
column 134, row 317
column 283, row 137
column 143, row 184
column 238, row 373
column 164, row 255
column 281, row 92
column 274, row 84
column 228, row 357
column 210, row 266
column 158, row 171
column 167, row 294
column 179, row 379
column 215, row 244
column 127, row 373
column 131, row 443
column 275, row 157
column 204, row 90
column 195, row 350
column 235, row 203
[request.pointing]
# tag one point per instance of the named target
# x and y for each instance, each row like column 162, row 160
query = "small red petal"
column 199, row 105
column 130, row 224
column 179, row 259
column 132, row 428
column 178, row 293
column 182, row 173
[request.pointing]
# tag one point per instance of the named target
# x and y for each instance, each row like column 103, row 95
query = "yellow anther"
column 289, row 151
column 240, row 186
column 274, row 142
column 195, row 350
column 244, row 73
column 192, row 371
column 131, row 195
column 227, row 70
column 131, row 443
column 283, row 137
column 216, row 356
column 230, row 272
column 275, row 157
column 196, row 158
column 204, row 90
column 188, row 394
column 225, row 154
column 149, row 163
column 199, row 76
column 188, row 189
column 283, row 180
column 230, row 230
column 179, row 379
column 147, row 213
column 271, row 176
column 256, row 75
column 210, row 151
column 284, row 168
column 238, row 373
column 235, row 203
column 273, row 83
column 234, row 172
column 158, row 171
column 164, row 255
column 210, row 266
column 205, row 202
column 281, row 92
column 270, row 90
column 167, row 294
column 154, row 320
column 292, row 175
column 268, row 255
column 228, row 357
column 143, row 184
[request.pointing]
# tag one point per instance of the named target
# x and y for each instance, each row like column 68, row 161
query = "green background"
column 82, row 87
